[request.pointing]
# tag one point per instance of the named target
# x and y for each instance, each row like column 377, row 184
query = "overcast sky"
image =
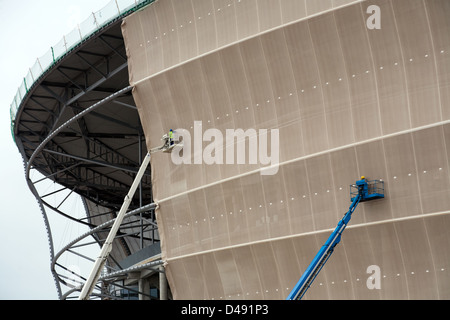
column 27, row 30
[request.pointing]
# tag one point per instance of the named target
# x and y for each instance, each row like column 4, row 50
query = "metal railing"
column 373, row 187
column 114, row 10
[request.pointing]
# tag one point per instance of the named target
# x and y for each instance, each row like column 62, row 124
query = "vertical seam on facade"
column 435, row 61
column 403, row 62
column 366, row 33
column 320, row 82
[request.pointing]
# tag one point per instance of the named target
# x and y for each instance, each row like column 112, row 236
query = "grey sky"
column 27, row 30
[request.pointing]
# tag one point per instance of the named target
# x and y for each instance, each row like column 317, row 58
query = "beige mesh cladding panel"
column 347, row 101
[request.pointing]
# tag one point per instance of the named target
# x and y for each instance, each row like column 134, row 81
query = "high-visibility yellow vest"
column 170, row 134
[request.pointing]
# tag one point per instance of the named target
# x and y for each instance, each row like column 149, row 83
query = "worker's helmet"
column 170, row 130
column 362, row 177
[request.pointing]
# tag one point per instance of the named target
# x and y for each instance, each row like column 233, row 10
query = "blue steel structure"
column 363, row 190
column 372, row 190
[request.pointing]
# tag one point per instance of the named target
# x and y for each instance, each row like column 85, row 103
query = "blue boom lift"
column 363, row 190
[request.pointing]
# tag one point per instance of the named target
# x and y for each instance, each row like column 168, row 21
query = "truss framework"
column 78, row 127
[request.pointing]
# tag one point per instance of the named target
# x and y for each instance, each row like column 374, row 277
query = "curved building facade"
column 346, row 100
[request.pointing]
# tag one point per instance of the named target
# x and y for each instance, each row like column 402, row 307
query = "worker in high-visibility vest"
column 365, row 188
column 170, row 137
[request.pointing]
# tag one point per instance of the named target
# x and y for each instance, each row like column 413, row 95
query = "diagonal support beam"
column 107, row 246
column 97, row 162
column 87, row 90
column 63, row 126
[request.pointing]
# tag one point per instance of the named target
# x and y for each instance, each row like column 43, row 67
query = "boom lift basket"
column 167, row 147
column 373, row 189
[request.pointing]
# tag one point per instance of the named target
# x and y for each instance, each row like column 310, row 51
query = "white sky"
column 27, row 30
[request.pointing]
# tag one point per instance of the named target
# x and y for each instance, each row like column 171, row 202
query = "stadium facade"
column 347, row 99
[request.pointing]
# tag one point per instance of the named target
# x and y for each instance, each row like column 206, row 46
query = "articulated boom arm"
column 322, row 256
column 363, row 190
column 90, row 283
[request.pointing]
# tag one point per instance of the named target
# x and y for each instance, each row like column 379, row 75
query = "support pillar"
column 144, row 286
column 162, row 284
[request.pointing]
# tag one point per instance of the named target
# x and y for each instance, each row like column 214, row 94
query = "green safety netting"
column 112, row 11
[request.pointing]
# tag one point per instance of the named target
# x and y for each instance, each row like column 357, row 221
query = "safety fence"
column 114, row 10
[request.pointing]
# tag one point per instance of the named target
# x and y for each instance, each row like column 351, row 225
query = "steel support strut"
column 323, row 255
column 107, row 246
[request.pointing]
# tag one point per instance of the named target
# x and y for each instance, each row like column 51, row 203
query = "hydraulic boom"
column 88, row 286
column 362, row 191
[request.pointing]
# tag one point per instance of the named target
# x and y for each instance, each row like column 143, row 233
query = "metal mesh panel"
column 112, row 11
column 347, row 102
